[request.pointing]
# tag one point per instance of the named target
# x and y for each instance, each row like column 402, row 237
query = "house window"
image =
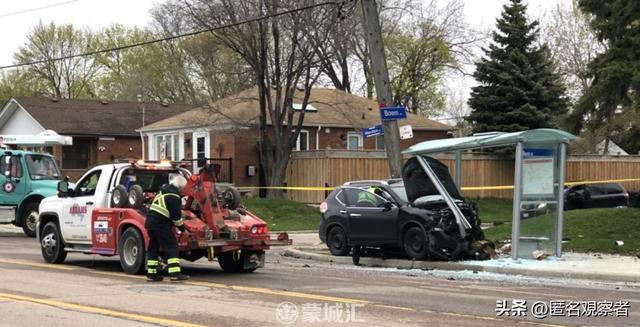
column 380, row 142
column 167, row 147
column 77, row 155
column 302, row 143
column 354, row 141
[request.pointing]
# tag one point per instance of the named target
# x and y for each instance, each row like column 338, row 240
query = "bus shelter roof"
column 541, row 137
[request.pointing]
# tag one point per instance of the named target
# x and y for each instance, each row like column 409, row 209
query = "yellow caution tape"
column 293, row 188
column 465, row 188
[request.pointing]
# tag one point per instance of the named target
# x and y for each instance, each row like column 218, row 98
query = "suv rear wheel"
column 337, row 241
column 416, row 244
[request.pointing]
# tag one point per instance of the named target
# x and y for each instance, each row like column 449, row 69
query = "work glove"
column 181, row 228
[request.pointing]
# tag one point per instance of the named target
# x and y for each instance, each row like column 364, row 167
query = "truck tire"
column 416, row 244
column 233, row 264
column 51, row 243
column 136, row 197
column 337, row 241
column 132, row 251
column 29, row 218
column 231, row 198
column 119, row 197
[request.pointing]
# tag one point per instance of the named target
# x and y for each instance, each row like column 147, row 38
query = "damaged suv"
column 411, row 213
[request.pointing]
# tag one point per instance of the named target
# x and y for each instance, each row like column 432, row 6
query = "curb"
column 456, row 266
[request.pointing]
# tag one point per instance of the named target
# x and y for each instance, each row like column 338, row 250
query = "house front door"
column 200, row 149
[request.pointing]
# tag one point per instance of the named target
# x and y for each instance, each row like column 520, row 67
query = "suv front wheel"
column 416, row 244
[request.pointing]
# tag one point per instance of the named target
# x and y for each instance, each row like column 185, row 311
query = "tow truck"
column 27, row 177
column 105, row 213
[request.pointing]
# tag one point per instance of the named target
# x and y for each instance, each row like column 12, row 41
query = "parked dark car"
column 407, row 213
column 603, row 195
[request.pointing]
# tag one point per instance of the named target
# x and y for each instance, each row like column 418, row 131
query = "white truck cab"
column 74, row 212
column 93, row 191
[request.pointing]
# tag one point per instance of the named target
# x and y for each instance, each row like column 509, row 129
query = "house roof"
column 334, row 108
column 96, row 117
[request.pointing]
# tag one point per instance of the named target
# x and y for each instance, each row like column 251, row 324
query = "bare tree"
column 283, row 60
column 68, row 78
column 573, row 45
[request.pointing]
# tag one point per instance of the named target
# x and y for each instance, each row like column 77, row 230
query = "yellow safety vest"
column 158, row 205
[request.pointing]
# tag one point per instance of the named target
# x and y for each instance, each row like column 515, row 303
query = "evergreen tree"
column 614, row 94
column 518, row 88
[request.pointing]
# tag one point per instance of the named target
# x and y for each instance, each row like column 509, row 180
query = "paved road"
column 92, row 291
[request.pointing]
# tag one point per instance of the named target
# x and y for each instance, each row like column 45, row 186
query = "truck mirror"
column 7, row 165
column 63, row 187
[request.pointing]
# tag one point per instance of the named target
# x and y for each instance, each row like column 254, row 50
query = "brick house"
column 102, row 131
column 228, row 128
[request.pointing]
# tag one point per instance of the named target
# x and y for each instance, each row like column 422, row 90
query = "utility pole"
column 371, row 23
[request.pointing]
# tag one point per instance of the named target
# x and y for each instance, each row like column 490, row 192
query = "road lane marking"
column 292, row 294
column 96, row 310
column 305, row 296
column 35, row 264
column 395, row 307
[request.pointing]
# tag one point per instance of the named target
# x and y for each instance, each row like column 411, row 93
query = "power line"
column 173, row 37
column 38, row 8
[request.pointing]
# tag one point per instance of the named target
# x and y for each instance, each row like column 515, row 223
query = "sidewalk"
column 10, row 230
column 592, row 266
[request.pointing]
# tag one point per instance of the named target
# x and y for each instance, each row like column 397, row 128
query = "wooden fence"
column 332, row 168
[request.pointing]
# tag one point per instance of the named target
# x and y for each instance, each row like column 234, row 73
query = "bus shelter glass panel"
column 539, row 200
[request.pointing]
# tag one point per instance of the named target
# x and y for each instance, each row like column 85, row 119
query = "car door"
column 77, row 208
column 596, row 196
column 370, row 223
column 13, row 186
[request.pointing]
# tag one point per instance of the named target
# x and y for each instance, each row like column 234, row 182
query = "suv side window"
column 16, row 168
column 362, row 198
column 596, row 190
column 87, row 186
column 341, row 198
column 613, row 188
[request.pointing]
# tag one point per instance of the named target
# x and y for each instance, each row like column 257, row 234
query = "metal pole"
column 517, row 195
column 371, row 23
column 459, row 170
column 562, row 158
column 462, row 222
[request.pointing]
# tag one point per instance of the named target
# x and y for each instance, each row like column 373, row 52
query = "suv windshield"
column 42, row 167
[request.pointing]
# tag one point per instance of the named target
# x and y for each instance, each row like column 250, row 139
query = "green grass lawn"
column 584, row 230
column 493, row 210
column 283, row 214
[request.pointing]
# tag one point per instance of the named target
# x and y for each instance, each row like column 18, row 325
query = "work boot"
column 154, row 278
column 178, row 277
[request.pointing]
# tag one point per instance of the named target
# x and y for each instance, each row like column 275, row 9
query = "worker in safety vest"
column 367, row 198
column 164, row 213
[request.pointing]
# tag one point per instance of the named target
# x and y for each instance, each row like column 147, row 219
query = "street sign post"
column 393, row 113
column 373, row 131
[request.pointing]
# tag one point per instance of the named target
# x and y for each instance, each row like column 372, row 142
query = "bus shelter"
column 538, row 190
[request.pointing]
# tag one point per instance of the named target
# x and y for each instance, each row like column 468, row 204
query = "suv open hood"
column 417, row 183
